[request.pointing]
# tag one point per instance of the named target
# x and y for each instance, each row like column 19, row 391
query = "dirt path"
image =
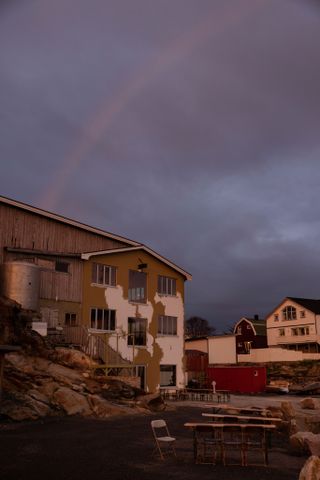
column 120, row 448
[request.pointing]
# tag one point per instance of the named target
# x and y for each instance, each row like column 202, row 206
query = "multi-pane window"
column 70, row 319
column 300, row 331
column 281, row 332
column 103, row 274
column 167, row 325
column 168, row 376
column 102, row 319
column 137, row 331
column 137, row 286
column 167, row 285
column 289, row 313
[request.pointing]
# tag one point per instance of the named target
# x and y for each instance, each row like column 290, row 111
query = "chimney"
column 256, row 317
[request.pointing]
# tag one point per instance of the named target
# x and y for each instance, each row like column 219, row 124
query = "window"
column 70, row 319
column 302, row 314
column 62, row 267
column 103, row 319
column 167, row 285
column 137, row 331
column 168, row 376
column 289, row 313
column 103, row 274
column 167, row 325
column 137, row 286
column 300, row 331
column 239, row 330
column 276, row 317
column 281, row 332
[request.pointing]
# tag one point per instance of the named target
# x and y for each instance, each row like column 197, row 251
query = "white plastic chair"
column 164, row 441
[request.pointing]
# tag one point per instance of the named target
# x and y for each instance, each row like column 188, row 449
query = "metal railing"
column 94, row 344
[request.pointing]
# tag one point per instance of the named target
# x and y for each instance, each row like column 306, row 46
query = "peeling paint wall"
column 159, row 349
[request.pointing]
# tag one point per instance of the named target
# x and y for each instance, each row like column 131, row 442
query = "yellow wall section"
column 166, row 349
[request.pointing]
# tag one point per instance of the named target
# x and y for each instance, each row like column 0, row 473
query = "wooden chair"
column 208, row 444
column 232, row 443
column 163, row 440
column 255, row 441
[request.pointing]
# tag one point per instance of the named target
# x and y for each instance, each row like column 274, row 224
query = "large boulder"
column 72, row 358
column 288, row 411
column 72, row 403
column 102, row 408
column 312, row 423
column 299, row 443
column 118, row 390
column 309, row 403
column 311, row 469
column 153, row 402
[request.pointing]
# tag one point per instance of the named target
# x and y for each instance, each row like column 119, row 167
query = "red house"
column 250, row 333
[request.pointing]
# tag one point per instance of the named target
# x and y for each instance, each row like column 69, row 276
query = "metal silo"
column 20, row 281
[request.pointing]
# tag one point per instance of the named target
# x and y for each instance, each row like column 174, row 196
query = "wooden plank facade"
column 55, row 244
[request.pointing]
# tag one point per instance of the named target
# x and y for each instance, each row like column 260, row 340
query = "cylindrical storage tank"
column 20, row 281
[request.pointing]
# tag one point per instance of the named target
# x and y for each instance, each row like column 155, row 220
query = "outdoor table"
column 202, row 394
column 225, row 416
column 242, row 427
column 223, row 395
column 228, row 407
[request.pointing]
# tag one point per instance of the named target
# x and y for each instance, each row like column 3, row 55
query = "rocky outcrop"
column 35, row 387
column 300, row 375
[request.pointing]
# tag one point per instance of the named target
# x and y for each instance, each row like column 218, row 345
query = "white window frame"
column 106, row 319
column 108, row 277
column 166, row 371
column 167, row 286
column 289, row 313
column 167, row 325
column 70, row 319
column 134, row 334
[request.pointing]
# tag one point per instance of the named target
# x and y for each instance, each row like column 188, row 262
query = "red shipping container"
column 238, row 379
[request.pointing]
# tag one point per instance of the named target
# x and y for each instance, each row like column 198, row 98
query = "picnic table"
column 241, row 418
column 226, row 438
column 220, row 408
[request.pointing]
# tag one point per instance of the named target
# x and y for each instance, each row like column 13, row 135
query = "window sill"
column 102, row 285
column 99, row 330
column 138, row 346
column 167, row 295
column 161, row 335
column 132, row 302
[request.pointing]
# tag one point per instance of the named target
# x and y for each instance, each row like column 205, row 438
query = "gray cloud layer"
column 192, row 127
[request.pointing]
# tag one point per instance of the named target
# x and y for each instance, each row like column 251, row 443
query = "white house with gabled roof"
column 295, row 325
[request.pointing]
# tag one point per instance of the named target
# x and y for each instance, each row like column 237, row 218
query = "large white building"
column 295, row 325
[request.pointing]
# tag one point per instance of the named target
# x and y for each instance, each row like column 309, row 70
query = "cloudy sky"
column 190, row 126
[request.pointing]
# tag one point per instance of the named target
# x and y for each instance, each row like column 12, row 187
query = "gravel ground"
column 122, row 448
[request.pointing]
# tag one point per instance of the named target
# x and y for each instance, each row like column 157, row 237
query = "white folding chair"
column 164, row 441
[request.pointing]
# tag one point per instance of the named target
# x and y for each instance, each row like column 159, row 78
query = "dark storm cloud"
column 193, row 128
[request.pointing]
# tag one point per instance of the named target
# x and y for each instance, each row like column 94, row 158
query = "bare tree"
column 198, row 327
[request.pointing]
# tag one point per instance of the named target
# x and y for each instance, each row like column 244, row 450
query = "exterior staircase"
column 96, row 346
